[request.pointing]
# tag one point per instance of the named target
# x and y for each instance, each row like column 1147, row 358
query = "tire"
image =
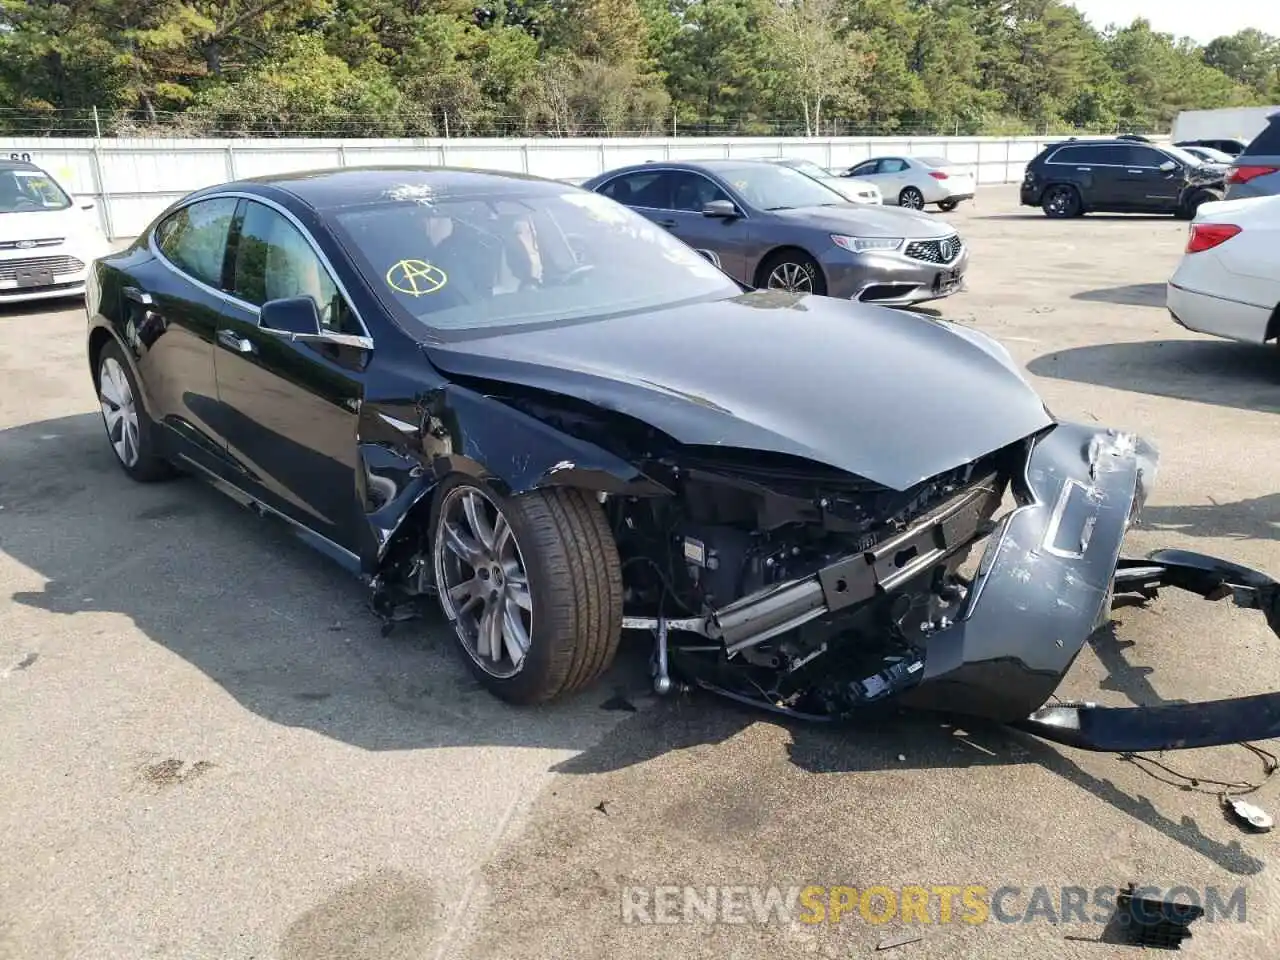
column 1188, row 209
column 912, row 198
column 946, row 206
column 796, row 264
column 559, row 555
column 129, row 430
column 1061, row 202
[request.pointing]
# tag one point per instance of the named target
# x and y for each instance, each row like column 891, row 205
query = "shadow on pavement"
column 286, row 633
column 1133, row 294
column 1220, row 372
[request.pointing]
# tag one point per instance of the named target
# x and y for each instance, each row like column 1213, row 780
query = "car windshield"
column 808, row 167
column 30, row 191
column 773, row 187
column 473, row 263
column 1188, row 158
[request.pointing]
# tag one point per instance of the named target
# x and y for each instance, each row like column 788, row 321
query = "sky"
column 1197, row 19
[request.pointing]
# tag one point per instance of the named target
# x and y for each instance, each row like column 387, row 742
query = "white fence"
column 133, row 180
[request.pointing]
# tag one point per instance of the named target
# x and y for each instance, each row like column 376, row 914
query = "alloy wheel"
column 483, row 581
column 1058, row 202
column 119, row 411
column 912, row 198
column 792, row 277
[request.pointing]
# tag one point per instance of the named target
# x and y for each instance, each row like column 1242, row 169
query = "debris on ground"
column 899, row 941
column 1254, row 816
column 1161, row 924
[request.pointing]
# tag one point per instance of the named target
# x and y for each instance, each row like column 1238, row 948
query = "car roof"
column 355, row 186
column 17, row 165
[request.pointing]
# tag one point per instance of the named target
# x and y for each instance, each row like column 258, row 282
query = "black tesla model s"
column 530, row 402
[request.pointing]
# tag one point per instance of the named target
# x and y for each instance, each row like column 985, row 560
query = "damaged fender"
column 458, row 430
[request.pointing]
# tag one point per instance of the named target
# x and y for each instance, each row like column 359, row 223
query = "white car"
column 47, row 239
column 915, row 181
column 855, row 191
column 1228, row 283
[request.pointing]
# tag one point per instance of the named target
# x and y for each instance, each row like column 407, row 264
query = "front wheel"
column 911, row 198
column 794, row 271
column 532, row 585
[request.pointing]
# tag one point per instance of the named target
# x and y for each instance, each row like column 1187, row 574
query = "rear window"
column 935, row 161
column 1267, row 143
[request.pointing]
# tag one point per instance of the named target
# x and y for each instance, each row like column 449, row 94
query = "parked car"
column 1228, row 146
column 1209, row 155
column 770, row 226
column 47, row 240
column 529, row 402
column 1075, row 177
column 915, row 181
column 855, row 191
column 1256, row 171
column 1228, row 282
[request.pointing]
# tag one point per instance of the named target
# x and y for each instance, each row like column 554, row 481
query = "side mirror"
column 720, row 208
column 1168, row 166
column 293, row 315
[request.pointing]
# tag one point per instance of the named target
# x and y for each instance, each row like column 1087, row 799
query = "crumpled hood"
column 865, row 220
column 891, row 396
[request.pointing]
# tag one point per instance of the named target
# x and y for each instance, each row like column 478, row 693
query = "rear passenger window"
column 892, row 165
column 649, row 188
column 194, row 239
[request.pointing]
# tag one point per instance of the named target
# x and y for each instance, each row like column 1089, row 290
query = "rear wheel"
column 1061, row 202
column 946, row 206
column 912, row 198
column 129, row 429
column 532, row 585
column 1188, row 209
column 793, row 270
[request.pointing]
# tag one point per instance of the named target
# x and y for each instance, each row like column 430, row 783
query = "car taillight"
column 1206, row 236
column 1246, row 173
column 937, row 174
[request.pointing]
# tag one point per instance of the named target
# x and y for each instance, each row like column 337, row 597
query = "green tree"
column 1249, row 57
column 717, row 63
column 819, row 58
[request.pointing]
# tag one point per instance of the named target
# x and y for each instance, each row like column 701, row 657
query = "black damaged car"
column 531, row 403
column 1122, row 175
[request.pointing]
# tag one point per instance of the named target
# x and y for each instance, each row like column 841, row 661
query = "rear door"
column 172, row 306
column 1095, row 169
column 289, row 407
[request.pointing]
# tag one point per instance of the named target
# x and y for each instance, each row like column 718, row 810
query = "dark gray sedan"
column 770, row 226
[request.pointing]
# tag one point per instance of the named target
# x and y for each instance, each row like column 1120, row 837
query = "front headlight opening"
column 865, row 244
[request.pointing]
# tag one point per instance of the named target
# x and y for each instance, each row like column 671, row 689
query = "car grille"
column 27, row 244
column 58, row 265
column 945, row 250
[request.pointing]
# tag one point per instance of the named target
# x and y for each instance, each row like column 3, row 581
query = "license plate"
column 34, row 278
column 948, row 280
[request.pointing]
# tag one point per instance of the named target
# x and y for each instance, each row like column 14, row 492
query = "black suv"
column 1119, row 175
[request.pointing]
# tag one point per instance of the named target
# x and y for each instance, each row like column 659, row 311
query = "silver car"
column 767, row 225
column 855, row 191
column 1256, row 171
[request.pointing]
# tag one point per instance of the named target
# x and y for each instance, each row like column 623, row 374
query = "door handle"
column 137, row 296
column 233, row 341
column 1085, row 169
column 1133, row 171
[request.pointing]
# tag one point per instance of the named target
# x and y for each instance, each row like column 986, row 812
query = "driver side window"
column 274, row 261
column 865, row 169
column 691, row 192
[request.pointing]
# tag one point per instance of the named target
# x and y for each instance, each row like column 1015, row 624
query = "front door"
column 726, row 237
column 289, row 408
column 1151, row 188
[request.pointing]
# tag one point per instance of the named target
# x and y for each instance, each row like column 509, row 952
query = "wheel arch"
column 1069, row 184
column 102, row 334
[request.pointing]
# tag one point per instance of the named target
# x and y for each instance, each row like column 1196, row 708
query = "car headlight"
column 865, row 244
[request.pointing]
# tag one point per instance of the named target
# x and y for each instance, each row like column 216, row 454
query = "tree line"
column 604, row 67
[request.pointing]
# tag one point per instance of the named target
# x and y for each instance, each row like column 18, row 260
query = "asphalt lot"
column 210, row 751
